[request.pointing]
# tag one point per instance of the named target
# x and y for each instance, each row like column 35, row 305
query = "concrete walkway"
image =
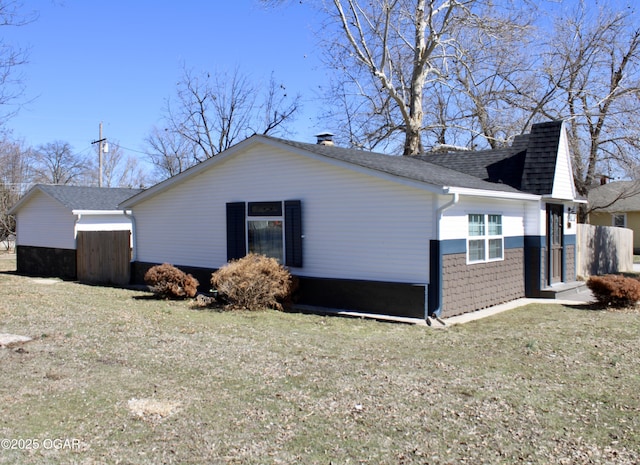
column 584, row 298
column 581, row 298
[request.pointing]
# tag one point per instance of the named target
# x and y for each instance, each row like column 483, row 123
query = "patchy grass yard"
column 113, row 376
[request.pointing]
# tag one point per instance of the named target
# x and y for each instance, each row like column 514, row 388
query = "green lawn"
column 123, row 378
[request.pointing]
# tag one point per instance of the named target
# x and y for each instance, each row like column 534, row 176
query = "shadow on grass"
column 590, row 306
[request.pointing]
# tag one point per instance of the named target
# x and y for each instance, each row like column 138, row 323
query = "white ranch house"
column 436, row 235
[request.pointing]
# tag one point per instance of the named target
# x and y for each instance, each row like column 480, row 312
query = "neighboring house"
column 50, row 217
column 617, row 204
column 407, row 236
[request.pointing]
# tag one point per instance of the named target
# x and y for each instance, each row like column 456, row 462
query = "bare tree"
column 14, row 182
column 213, row 112
column 12, row 58
column 55, row 163
column 120, row 169
column 397, row 61
column 593, row 69
column 169, row 153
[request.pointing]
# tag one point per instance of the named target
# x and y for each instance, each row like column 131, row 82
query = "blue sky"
column 118, row 61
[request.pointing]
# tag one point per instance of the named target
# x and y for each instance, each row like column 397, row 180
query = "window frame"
column 485, row 237
column 238, row 215
column 260, row 216
column 617, row 215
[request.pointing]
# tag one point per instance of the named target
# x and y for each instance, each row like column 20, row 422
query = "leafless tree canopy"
column 412, row 75
column 212, row 112
column 121, row 169
column 421, row 73
column 14, row 182
column 12, row 14
column 55, row 163
column 592, row 71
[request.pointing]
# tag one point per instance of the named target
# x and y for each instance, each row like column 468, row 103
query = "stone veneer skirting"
column 570, row 263
column 466, row 288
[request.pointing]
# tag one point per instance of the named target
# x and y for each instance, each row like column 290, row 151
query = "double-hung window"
column 485, row 241
column 265, row 234
column 273, row 229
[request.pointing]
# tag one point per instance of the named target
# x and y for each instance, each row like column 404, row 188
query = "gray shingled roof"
column 88, row 198
column 528, row 165
column 620, row 196
column 412, row 168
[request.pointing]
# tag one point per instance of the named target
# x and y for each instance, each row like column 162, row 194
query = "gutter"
column 438, row 258
column 98, row 212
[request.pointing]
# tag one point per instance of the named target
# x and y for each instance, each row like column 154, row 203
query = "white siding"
column 355, row 226
column 454, row 223
column 44, row 222
column 563, row 186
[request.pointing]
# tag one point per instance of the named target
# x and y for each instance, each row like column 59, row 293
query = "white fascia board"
column 549, row 197
column 100, row 212
column 492, row 194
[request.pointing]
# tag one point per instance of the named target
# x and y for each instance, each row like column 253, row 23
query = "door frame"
column 555, row 244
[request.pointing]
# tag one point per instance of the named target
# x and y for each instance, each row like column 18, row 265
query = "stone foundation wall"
column 466, row 288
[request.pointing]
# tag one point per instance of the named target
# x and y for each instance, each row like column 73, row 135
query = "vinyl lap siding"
column 355, row 226
column 43, row 222
column 563, row 179
column 455, row 223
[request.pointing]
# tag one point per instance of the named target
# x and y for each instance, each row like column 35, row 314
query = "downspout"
column 437, row 261
column 75, row 227
column 134, row 236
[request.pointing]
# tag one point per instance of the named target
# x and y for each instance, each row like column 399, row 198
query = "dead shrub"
column 614, row 290
column 254, row 282
column 169, row 282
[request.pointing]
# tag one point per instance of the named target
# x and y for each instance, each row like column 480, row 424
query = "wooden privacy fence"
column 104, row 257
column 603, row 249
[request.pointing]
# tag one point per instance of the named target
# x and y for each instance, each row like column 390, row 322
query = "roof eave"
column 25, row 198
column 100, row 212
column 188, row 173
column 492, row 193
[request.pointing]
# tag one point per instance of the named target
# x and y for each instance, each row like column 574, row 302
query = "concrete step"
column 564, row 290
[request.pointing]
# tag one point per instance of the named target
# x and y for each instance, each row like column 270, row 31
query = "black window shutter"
column 293, row 232
column 236, row 235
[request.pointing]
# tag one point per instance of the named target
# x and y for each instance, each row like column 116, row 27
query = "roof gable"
column 538, row 163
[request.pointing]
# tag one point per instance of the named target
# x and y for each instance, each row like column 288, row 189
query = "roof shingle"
column 88, row 198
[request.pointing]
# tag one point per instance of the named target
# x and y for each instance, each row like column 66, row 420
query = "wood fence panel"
column 104, row 257
column 603, row 249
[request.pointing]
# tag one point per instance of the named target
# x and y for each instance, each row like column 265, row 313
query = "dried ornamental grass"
column 168, row 281
column 254, row 282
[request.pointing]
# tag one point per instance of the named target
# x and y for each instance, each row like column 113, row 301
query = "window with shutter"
column 273, row 229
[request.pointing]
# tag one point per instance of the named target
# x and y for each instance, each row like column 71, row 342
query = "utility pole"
column 100, row 148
